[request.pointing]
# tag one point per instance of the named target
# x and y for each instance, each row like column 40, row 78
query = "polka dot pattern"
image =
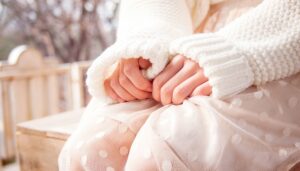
column 123, row 151
column 258, row 95
column 282, row 153
column 236, row 102
column 109, row 168
column 103, row 154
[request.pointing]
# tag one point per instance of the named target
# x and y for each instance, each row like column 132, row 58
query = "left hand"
column 181, row 79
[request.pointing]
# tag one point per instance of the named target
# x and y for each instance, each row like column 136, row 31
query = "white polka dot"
column 123, row 151
column 236, row 102
column 283, row 83
column 282, row 153
column 109, row 168
column 103, row 154
column 122, row 128
column 192, row 156
column 100, row 120
column 79, row 145
column 147, row 153
column 166, row 165
column 258, row 95
column 287, row 132
column 293, row 101
column 100, row 135
column 297, row 144
column 83, row 160
column 269, row 137
column 236, row 139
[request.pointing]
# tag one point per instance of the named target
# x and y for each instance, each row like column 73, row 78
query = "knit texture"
column 261, row 46
column 146, row 28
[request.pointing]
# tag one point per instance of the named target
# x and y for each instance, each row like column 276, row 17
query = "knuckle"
column 166, row 90
column 179, row 93
column 179, row 59
column 157, row 82
column 142, row 85
column 122, row 80
column 190, row 67
column 113, row 83
column 128, row 71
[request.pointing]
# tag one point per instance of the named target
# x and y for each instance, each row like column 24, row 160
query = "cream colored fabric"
column 262, row 45
column 146, row 28
column 255, row 130
column 258, row 47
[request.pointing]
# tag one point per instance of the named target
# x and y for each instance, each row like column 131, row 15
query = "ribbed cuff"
column 227, row 69
column 156, row 50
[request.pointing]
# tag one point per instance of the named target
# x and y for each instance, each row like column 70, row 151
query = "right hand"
column 127, row 82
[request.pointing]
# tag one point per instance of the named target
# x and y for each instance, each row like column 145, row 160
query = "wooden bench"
column 33, row 86
column 40, row 141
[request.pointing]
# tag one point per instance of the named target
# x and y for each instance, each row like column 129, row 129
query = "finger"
column 134, row 74
column 110, row 92
column 166, row 92
column 203, row 90
column 171, row 69
column 183, row 90
column 130, row 88
column 144, row 63
column 118, row 89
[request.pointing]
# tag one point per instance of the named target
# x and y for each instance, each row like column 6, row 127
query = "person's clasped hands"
column 182, row 78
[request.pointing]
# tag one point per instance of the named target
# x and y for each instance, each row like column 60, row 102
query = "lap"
column 258, row 126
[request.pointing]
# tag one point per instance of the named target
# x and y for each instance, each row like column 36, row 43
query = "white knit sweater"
column 261, row 46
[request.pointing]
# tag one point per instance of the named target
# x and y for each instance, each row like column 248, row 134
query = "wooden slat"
column 37, row 97
column 8, row 75
column 53, row 94
column 8, row 126
column 19, row 100
column 77, row 86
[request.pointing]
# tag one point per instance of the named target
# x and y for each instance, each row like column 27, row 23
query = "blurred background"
column 46, row 46
column 71, row 30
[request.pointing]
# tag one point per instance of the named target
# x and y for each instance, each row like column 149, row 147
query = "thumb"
column 144, row 63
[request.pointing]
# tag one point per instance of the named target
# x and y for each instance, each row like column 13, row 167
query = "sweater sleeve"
column 146, row 28
column 261, row 46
